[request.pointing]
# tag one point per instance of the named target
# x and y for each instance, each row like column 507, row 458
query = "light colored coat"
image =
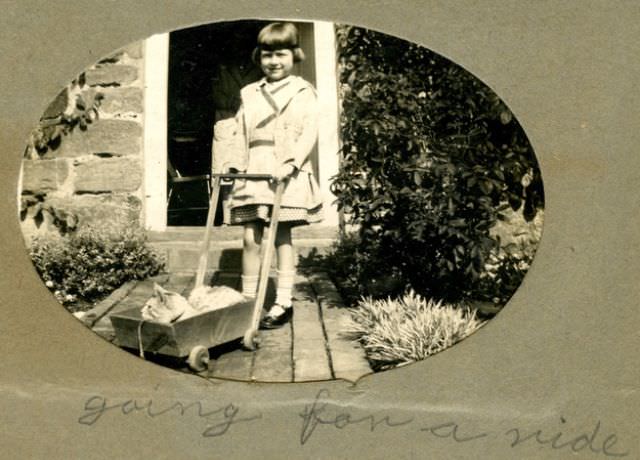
column 295, row 134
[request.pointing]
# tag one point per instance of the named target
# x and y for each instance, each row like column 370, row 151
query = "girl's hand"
column 284, row 172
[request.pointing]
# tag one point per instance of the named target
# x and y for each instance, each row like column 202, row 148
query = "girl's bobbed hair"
column 277, row 36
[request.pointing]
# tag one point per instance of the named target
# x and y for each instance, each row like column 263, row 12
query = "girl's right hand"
column 284, row 172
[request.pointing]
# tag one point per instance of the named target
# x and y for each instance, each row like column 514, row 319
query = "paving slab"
column 273, row 359
column 347, row 356
column 310, row 359
column 234, row 365
column 98, row 312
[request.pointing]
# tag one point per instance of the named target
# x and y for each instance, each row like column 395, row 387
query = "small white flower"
column 49, row 284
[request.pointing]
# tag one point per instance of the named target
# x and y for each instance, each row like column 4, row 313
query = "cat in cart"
column 167, row 307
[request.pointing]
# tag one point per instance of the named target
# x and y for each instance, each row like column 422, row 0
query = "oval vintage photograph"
column 280, row 201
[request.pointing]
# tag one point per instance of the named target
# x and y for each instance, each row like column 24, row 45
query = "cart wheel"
column 250, row 340
column 198, row 359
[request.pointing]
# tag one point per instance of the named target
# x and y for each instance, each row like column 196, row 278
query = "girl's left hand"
column 284, row 172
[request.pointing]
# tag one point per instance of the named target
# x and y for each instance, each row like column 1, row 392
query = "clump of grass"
column 396, row 332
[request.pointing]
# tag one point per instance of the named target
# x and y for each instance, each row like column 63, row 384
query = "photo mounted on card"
column 280, row 201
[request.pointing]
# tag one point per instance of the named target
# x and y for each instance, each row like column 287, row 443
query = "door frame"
column 156, row 72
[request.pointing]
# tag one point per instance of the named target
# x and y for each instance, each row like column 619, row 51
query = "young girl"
column 278, row 120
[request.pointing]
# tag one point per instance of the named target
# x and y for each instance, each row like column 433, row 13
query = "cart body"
column 178, row 339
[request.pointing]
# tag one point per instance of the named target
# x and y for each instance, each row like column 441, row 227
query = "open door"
column 207, row 67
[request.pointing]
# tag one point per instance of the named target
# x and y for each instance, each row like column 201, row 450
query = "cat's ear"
column 159, row 292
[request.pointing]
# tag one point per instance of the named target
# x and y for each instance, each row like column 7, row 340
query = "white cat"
column 167, row 307
column 207, row 298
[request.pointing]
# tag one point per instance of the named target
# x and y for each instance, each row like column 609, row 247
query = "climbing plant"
column 72, row 108
column 431, row 159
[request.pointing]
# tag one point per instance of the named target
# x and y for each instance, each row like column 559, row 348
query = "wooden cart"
column 192, row 337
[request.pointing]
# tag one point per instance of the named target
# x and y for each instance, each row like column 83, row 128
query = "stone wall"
column 95, row 175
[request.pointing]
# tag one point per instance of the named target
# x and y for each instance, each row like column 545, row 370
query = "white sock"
column 276, row 311
column 285, row 286
column 249, row 285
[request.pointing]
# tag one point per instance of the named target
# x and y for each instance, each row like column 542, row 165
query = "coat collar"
column 276, row 84
column 282, row 91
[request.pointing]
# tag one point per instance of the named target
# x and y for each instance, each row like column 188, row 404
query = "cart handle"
column 242, row 176
column 213, row 203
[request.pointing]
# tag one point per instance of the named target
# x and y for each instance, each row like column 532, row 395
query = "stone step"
column 234, row 233
column 183, row 257
column 181, row 246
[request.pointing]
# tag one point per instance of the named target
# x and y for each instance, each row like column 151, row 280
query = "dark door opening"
column 207, row 67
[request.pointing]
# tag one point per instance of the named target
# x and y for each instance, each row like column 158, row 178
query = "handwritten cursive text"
column 219, row 419
column 317, row 414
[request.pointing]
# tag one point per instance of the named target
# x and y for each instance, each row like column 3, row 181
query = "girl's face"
column 276, row 64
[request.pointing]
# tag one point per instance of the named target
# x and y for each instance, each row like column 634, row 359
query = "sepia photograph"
column 280, row 201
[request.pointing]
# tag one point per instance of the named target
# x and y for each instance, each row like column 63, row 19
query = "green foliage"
column 504, row 271
column 351, row 266
column 93, row 261
column 398, row 332
column 63, row 220
column 63, row 117
column 431, row 159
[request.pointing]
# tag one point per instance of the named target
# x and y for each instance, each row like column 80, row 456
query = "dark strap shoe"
column 276, row 321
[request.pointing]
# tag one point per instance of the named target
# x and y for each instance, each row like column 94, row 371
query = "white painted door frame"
column 328, row 138
column 156, row 86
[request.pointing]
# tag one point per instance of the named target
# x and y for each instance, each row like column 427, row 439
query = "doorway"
column 207, row 67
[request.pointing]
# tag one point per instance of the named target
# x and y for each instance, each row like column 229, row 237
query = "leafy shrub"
column 408, row 329
column 357, row 271
column 93, row 261
column 431, row 160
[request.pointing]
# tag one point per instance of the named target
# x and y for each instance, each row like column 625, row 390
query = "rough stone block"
column 115, row 210
column 134, row 50
column 115, row 137
column 120, row 100
column 111, row 75
column 44, row 175
column 108, row 175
